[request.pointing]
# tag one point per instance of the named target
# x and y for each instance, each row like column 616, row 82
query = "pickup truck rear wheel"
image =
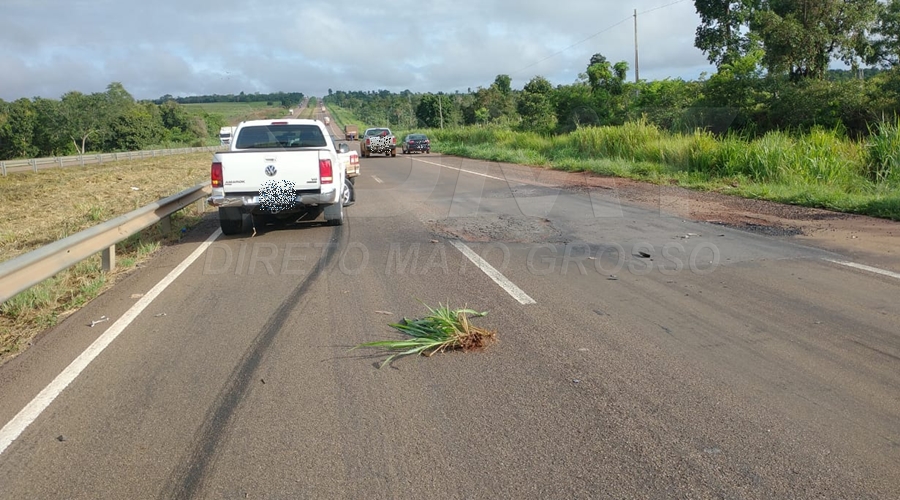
column 348, row 197
column 231, row 220
column 393, row 152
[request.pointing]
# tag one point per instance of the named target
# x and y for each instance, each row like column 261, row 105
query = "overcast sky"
column 193, row 47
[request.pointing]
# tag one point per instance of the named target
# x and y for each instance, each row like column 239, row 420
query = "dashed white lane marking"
column 377, row 179
column 510, row 287
column 24, row 418
column 864, row 267
column 461, row 170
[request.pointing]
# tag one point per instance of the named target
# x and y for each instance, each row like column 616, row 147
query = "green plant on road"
column 442, row 329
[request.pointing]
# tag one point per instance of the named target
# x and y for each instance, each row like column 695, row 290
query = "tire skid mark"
column 187, row 479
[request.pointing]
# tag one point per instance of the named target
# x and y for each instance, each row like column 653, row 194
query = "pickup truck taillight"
column 368, row 142
column 394, row 140
column 326, row 174
column 216, row 175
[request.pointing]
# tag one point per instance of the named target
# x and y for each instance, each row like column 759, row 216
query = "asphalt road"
column 639, row 356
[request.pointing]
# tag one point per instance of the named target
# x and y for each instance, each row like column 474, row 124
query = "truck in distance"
column 225, row 135
column 351, row 132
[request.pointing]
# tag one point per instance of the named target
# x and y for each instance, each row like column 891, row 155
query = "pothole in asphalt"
column 764, row 229
column 525, row 192
column 505, row 228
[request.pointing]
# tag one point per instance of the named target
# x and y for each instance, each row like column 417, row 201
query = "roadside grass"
column 441, row 330
column 343, row 117
column 46, row 206
column 821, row 169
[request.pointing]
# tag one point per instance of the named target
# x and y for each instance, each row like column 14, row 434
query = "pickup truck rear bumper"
column 252, row 201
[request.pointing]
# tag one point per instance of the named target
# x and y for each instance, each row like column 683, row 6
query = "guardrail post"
column 100, row 159
column 165, row 225
column 59, row 161
column 3, row 167
column 81, row 157
column 33, row 165
column 109, row 258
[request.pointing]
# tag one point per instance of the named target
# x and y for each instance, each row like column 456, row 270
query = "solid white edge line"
column 510, row 287
column 864, row 267
column 11, row 431
column 460, row 170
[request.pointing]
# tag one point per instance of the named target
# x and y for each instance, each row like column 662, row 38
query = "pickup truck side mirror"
column 343, row 148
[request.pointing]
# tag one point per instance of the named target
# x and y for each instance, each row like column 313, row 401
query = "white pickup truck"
column 378, row 140
column 283, row 170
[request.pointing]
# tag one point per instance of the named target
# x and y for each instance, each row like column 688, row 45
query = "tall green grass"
column 821, row 168
column 882, row 154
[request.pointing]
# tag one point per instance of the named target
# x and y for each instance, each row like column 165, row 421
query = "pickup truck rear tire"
column 393, row 152
column 334, row 214
column 348, row 197
column 231, row 220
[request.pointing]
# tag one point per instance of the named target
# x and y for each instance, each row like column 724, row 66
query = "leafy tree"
column 436, row 111
column 138, row 128
column 503, row 83
column 574, row 106
column 49, row 135
column 665, row 102
column 737, row 89
column 604, row 77
column 801, row 37
column 607, row 84
column 17, row 130
column 535, row 105
column 598, row 59
column 886, row 42
column 482, row 116
column 178, row 122
column 722, row 34
column 83, row 117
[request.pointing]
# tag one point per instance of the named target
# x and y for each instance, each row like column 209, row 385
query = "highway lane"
column 768, row 373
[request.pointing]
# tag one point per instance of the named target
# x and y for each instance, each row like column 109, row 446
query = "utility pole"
column 441, row 110
column 637, row 68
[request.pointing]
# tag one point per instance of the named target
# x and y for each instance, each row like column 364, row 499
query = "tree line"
column 112, row 121
column 99, row 122
column 285, row 99
column 772, row 61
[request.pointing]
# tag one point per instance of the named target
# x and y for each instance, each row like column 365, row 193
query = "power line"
column 662, row 6
column 604, row 30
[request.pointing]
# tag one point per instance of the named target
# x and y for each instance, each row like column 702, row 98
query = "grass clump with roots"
column 441, row 330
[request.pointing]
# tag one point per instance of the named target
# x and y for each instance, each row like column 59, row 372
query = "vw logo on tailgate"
column 270, row 170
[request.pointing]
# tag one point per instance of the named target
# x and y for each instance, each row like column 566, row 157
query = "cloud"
column 50, row 47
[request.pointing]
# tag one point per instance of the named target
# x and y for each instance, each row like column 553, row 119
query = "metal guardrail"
column 25, row 271
column 35, row 164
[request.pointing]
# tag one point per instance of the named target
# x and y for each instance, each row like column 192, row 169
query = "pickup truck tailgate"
column 247, row 171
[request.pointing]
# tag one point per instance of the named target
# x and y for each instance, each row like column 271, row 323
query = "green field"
column 235, row 112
